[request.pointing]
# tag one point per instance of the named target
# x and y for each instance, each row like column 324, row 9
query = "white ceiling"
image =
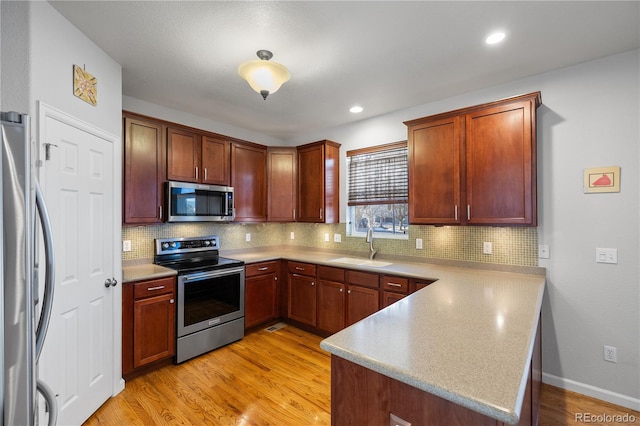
column 383, row 56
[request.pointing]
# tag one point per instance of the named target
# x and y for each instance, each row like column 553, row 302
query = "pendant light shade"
column 264, row 76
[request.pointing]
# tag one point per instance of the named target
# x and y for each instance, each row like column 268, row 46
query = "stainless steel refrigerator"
column 25, row 308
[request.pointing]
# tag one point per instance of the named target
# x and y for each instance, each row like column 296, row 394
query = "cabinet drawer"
column 260, row 268
column 395, row 284
column 145, row 289
column 365, row 279
column 302, row 268
column 331, row 274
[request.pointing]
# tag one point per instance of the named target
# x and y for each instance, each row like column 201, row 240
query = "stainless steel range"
column 210, row 308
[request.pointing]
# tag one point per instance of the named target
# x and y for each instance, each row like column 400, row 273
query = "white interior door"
column 77, row 359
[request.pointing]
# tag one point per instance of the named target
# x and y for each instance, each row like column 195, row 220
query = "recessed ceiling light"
column 494, row 38
column 355, row 109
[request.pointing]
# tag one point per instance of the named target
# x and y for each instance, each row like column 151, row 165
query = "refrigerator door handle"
column 50, row 399
column 49, row 275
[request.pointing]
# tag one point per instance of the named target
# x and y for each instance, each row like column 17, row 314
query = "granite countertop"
column 467, row 338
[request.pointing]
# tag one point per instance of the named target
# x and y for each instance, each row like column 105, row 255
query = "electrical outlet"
column 326, row 238
column 337, row 238
column 247, row 237
column 126, row 245
column 292, row 236
column 543, row 251
column 419, row 243
column 487, row 247
column 610, row 354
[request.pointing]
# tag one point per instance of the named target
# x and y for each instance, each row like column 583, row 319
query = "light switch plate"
column 337, row 238
column 247, row 237
column 487, row 247
column 292, row 236
column 126, row 245
column 326, row 238
column 606, row 255
column 418, row 243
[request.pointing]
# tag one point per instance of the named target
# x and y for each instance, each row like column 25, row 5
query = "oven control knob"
column 173, row 245
column 207, row 243
column 165, row 246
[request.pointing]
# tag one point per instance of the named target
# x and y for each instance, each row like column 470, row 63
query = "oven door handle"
column 212, row 274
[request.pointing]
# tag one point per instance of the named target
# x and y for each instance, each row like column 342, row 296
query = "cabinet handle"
column 394, row 284
column 264, row 268
column 340, row 290
column 171, row 301
column 160, row 287
column 160, row 209
column 321, row 214
column 313, row 283
column 299, row 268
column 468, row 212
column 455, row 212
column 275, row 278
column 349, row 291
column 205, row 173
column 196, row 173
column 294, row 213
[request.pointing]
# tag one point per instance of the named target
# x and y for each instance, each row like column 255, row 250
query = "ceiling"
column 384, row 56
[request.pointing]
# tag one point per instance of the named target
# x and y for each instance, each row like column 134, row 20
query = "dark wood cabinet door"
column 144, row 166
column 154, row 329
column 216, row 158
column 261, row 299
column 183, row 156
column 331, row 306
column 311, row 184
column 361, row 302
column 302, row 299
column 389, row 298
column 434, row 181
column 281, row 178
column 319, row 182
column 249, row 181
column 500, row 165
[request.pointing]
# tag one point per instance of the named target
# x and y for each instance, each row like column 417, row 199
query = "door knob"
column 108, row 283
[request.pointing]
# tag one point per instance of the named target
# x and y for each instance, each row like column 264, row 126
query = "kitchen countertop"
column 145, row 271
column 467, row 338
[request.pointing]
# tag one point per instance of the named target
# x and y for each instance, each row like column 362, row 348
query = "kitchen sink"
column 360, row 262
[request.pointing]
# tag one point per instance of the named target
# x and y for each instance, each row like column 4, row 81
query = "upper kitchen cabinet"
column 216, row 161
column 319, row 182
column 249, row 181
column 197, row 158
column 475, row 166
column 281, row 181
column 183, row 155
column 144, row 170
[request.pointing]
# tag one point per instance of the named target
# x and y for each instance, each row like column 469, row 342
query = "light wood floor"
column 270, row 378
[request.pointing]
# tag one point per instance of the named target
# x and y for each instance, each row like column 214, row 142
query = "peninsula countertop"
column 467, row 338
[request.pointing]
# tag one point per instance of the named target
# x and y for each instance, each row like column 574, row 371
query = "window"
column 378, row 190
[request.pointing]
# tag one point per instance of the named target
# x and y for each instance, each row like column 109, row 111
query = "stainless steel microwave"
column 192, row 202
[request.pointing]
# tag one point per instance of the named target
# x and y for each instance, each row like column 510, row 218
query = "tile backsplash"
column 510, row 245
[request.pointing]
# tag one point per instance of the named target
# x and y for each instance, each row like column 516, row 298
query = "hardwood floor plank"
column 278, row 378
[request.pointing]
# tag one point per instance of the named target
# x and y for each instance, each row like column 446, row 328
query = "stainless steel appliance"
column 210, row 308
column 192, row 202
column 22, row 339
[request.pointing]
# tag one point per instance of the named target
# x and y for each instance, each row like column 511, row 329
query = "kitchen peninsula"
column 464, row 350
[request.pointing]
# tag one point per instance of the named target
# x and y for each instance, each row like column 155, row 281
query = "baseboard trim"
column 592, row 391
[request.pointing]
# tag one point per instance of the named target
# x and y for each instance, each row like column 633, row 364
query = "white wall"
column 186, row 119
column 589, row 118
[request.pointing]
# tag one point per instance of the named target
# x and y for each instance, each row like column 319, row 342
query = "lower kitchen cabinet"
column 302, row 292
column 362, row 295
column 331, row 299
column 393, row 289
column 148, row 323
column 262, row 293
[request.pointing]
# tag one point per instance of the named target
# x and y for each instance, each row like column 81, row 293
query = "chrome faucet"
column 372, row 251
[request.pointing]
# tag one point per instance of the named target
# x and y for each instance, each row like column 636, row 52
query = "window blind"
column 378, row 175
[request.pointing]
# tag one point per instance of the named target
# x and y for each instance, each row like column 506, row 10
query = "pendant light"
column 263, row 76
